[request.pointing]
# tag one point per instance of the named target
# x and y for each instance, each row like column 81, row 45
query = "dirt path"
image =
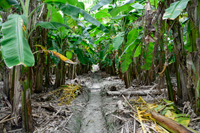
column 93, row 120
column 92, row 110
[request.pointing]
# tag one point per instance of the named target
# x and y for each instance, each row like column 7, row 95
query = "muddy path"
column 91, row 117
column 93, row 120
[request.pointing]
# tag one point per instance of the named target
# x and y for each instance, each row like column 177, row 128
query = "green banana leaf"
column 15, row 48
column 127, row 7
column 130, row 1
column 51, row 25
column 138, row 50
column 7, row 3
column 75, row 11
column 148, row 57
column 154, row 2
column 102, row 14
column 117, row 41
column 80, row 56
column 100, row 4
column 175, row 9
column 74, row 8
column 138, row 6
column 71, row 2
column 57, row 17
column 55, row 1
column 127, row 54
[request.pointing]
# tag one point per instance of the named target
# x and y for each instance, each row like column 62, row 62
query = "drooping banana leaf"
column 72, row 2
column 51, row 25
column 127, row 7
column 130, row 1
column 117, row 41
column 75, row 11
column 148, row 57
column 102, row 14
column 80, row 56
column 127, row 54
column 15, row 48
column 138, row 6
column 87, row 35
column 175, row 9
column 56, row 54
column 100, row 4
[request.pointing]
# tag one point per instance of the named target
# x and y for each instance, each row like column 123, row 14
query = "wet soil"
column 93, row 117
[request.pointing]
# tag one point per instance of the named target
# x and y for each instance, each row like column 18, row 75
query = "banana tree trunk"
column 16, row 95
column 58, row 76
column 39, row 74
column 26, row 107
column 47, row 75
column 194, row 35
column 6, row 79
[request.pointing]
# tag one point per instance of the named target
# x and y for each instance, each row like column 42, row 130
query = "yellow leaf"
column 183, row 121
column 170, row 114
column 24, row 27
column 43, row 48
column 62, row 57
column 112, row 37
column 140, row 119
column 141, row 99
column 151, row 106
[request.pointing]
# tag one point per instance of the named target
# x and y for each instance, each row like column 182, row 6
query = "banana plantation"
column 100, row 66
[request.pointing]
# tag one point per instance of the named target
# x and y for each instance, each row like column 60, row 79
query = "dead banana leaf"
column 62, row 57
column 139, row 113
column 43, row 48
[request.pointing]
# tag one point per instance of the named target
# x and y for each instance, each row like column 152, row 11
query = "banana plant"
column 16, row 51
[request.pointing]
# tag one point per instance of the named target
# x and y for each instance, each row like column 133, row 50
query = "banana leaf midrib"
column 19, row 40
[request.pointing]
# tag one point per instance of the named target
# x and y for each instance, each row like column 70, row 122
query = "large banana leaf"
column 100, row 4
column 127, row 7
column 15, row 48
column 117, row 41
column 175, row 9
column 71, row 2
column 75, row 11
column 51, row 25
column 102, row 14
column 130, row 1
column 127, row 54
column 148, row 57
column 74, row 8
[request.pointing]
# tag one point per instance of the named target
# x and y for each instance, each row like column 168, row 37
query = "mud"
column 94, row 116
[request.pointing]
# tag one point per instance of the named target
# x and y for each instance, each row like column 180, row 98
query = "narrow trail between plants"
column 93, row 120
column 92, row 110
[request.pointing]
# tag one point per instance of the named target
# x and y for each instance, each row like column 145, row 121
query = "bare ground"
column 93, row 118
column 93, row 111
